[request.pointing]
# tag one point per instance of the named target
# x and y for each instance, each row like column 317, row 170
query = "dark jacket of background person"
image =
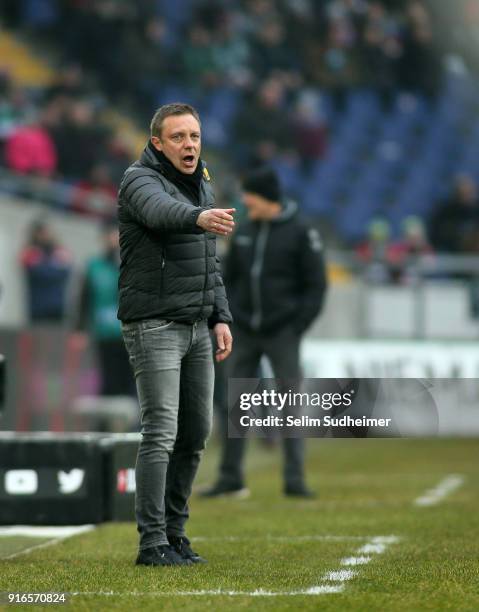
column 47, row 267
column 275, row 273
column 171, row 271
column 455, row 224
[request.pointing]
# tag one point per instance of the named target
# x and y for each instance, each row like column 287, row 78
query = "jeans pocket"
column 153, row 325
column 131, row 340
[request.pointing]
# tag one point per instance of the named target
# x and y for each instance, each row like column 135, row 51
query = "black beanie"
column 263, row 182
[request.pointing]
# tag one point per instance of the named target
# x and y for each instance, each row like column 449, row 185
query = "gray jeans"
column 173, row 367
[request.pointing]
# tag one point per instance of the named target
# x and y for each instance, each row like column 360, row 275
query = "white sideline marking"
column 447, row 485
column 375, row 545
column 319, row 590
column 304, row 538
column 58, row 534
column 340, row 575
column 34, row 531
column 355, row 560
column 27, row 551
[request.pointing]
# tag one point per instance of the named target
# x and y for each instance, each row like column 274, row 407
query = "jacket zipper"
column 256, row 272
column 206, row 276
column 163, row 264
column 205, row 238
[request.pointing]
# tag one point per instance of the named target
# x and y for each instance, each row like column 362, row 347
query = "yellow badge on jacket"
column 206, row 174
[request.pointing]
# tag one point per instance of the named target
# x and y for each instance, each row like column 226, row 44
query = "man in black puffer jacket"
column 170, row 293
column 276, row 280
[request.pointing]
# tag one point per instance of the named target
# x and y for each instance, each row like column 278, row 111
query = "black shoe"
column 299, row 491
column 224, row 490
column 161, row 555
column 181, row 545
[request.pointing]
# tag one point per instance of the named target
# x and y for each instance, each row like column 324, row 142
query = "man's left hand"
column 224, row 341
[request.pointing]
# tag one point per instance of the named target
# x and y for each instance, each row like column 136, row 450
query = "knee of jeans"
column 157, row 443
column 193, row 443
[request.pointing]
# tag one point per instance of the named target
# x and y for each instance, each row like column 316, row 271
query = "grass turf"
column 366, row 489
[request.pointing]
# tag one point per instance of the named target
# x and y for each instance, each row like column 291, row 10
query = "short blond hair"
column 167, row 110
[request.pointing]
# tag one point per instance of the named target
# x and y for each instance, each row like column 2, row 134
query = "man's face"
column 180, row 141
column 260, row 209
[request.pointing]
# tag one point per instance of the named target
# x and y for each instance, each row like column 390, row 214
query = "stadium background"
column 369, row 112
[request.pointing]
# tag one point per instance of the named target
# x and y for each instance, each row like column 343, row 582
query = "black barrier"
column 51, row 479
column 66, row 479
column 120, row 457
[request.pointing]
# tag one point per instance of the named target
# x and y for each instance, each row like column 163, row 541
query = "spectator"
column 374, row 252
column 454, row 225
column 403, row 254
column 69, row 83
column 147, row 62
column 334, row 62
column 199, row 61
column 270, row 50
column 232, row 56
column 47, row 267
column 15, row 107
column 420, row 66
column 96, row 196
column 262, row 128
column 30, row 150
column 381, row 52
column 310, row 129
column 80, row 139
column 118, row 154
column 98, row 305
column 388, row 261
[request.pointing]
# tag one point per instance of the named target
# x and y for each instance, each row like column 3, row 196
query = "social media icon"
column 21, row 482
column 71, row 481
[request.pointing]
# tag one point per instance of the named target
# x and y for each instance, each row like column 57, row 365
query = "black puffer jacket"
column 275, row 273
column 169, row 267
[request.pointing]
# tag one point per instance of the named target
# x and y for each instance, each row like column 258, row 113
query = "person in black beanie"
column 275, row 278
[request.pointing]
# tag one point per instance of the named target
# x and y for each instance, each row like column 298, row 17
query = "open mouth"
column 189, row 160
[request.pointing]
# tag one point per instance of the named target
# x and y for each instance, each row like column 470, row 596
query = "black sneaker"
column 299, row 491
column 224, row 490
column 181, row 545
column 161, row 555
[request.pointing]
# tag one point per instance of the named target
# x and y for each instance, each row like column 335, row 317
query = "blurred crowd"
column 272, row 57
column 57, row 134
column 266, row 60
column 256, row 70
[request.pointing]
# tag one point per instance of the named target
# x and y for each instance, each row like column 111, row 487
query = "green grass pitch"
column 286, row 547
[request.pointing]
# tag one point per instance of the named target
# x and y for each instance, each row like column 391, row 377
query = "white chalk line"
column 445, row 487
column 57, row 535
column 269, row 538
column 376, row 545
column 318, row 590
column 40, row 531
column 355, row 560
